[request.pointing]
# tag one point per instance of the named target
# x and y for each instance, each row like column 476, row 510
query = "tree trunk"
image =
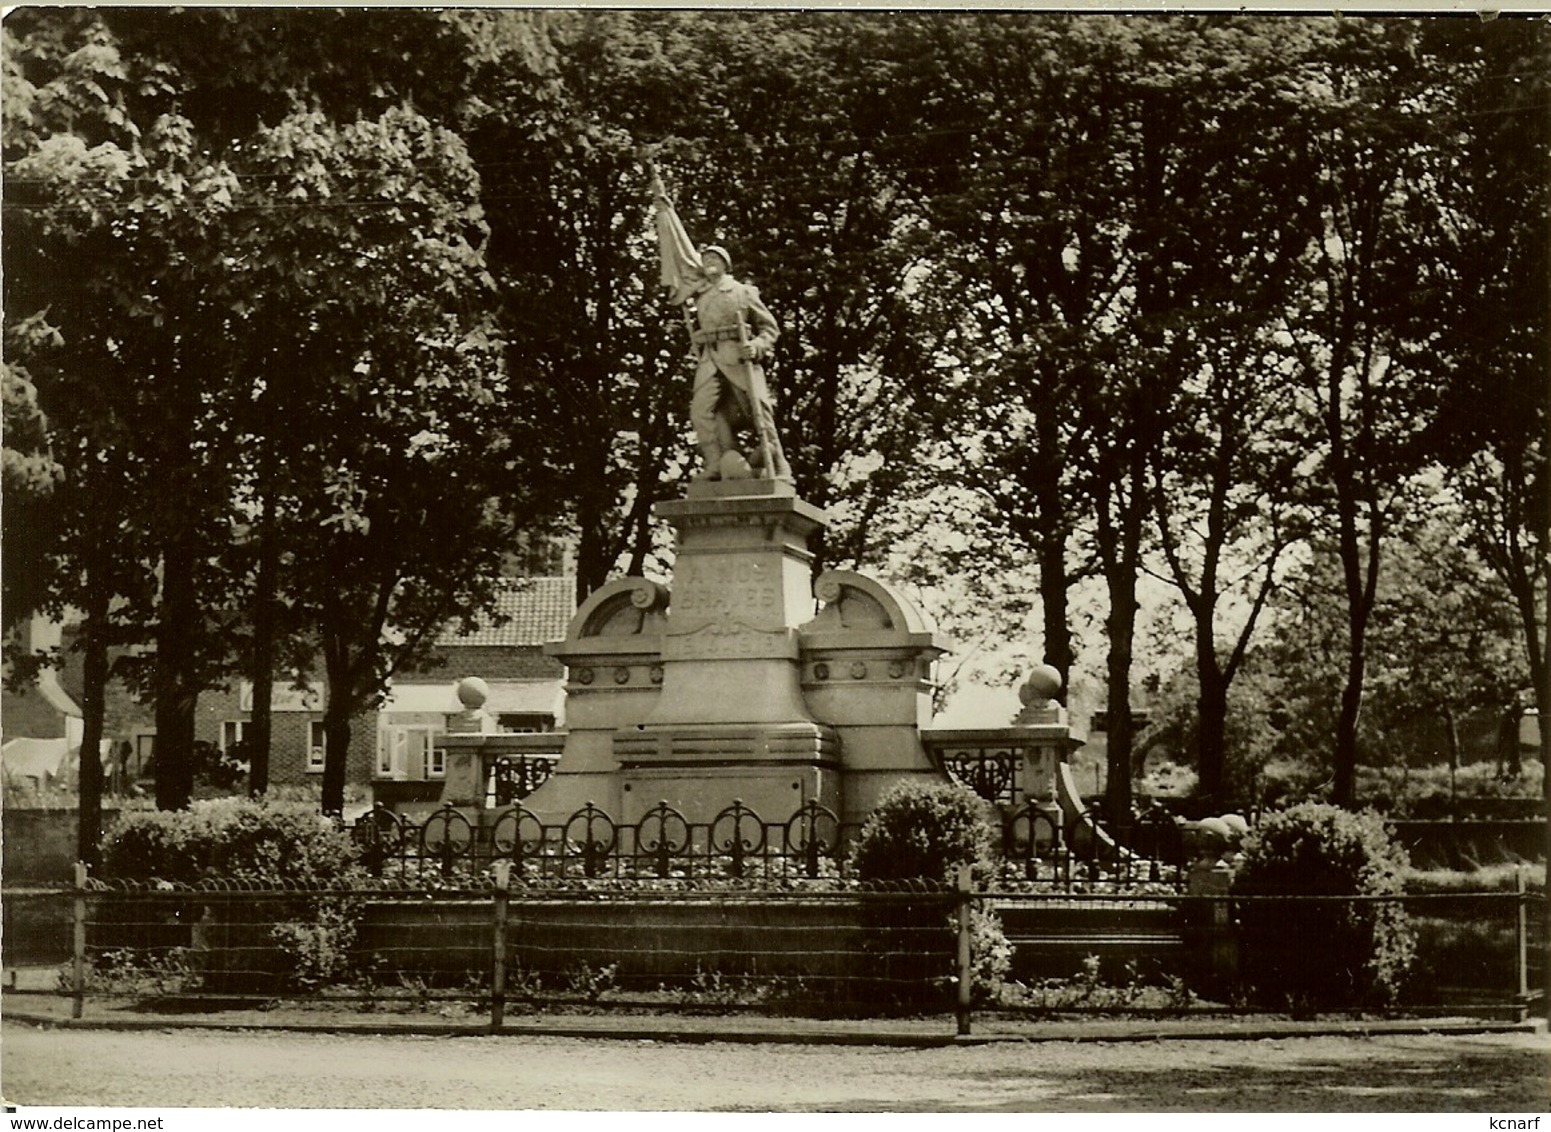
column 1050, row 550
column 336, row 754
column 94, row 686
column 177, row 691
column 592, row 549
column 1538, row 654
column 1543, row 726
column 1451, row 731
column 1343, row 790
column 1359, row 554
column 1212, row 725
column 260, row 730
column 1121, row 732
column 1052, row 597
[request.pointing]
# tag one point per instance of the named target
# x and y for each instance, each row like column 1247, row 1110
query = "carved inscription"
column 723, row 589
column 724, row 640
column 724, row 607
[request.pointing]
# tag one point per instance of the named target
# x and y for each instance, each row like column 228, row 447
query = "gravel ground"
column 171, row 1069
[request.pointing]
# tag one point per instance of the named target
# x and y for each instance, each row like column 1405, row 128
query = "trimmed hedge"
column 230, row 839
column 263, row 945
column 923, row 830
column 1306, row 955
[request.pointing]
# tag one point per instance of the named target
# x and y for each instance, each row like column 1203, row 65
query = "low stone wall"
column 1052, row 941
column 648, row 943
column 38, row 929
column 39, row 845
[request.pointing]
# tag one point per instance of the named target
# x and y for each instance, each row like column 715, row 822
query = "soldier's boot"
column 780, row 469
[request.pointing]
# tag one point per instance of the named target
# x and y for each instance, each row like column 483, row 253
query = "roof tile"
column 530, row 611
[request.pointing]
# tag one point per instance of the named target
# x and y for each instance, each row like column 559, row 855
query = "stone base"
column 773, row 768
column 716, row 744
column 738, row 489
column 775, row 793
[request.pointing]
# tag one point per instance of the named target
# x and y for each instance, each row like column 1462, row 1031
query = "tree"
column 122, row 353
column 128, row 144
column 31, row 475
column 1226, row 508
column 593, row 359
column 1441, row 644
column 1112, row 217
column 395, row 525
column 603, row 358
column 1489, row 313
column 800, row 158
column 1359, row 334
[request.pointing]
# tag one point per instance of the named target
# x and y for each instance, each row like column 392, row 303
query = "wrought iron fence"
column 992, row 774
column 514, row 777
column 737, row 844
column 1038, row 848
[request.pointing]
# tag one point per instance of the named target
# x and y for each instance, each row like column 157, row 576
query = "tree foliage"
column 1225, row 300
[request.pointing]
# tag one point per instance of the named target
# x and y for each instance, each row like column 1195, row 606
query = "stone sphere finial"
column 1041, row 687
column 472, row 693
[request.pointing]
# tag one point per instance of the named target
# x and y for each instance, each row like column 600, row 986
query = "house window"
column 316, row 745
column 145, row 755
column 409, row 752
column 231, row 733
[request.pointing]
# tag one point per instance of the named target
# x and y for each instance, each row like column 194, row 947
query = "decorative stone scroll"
column 623, row 608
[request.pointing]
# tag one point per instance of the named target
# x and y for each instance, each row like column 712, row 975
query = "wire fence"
column 982, row 950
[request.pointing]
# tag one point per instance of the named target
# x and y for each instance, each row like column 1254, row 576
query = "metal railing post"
column 503, row 891
column 1521, row 934
column 966, row 951
column 78, row 947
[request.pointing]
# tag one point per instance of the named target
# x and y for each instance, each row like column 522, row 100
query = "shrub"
column 266, row 943
column 230, row 839
column 991, row 955
column 1306, row 955
column 923, row 830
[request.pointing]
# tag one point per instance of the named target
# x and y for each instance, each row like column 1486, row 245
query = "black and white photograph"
column 774, row 560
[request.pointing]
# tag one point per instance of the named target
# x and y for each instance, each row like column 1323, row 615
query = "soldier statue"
column 733, row 333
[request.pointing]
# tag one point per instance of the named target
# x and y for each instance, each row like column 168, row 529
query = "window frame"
column 316, row 752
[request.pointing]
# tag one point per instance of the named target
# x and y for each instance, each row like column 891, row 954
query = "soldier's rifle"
column 758, row 396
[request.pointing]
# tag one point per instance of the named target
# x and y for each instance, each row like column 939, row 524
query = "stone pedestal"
column 731, row 711
column 738, row 686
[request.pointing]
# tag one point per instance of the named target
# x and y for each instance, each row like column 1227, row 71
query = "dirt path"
column 1433, row 1073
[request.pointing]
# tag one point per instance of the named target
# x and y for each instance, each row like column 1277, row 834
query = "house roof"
column 530, row 611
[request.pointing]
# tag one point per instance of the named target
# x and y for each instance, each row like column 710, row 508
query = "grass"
column 1487, row 878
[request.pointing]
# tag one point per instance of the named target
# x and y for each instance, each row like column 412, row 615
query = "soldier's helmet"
column 719, row 250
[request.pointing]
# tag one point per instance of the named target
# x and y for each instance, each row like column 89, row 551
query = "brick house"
column 393, row 755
